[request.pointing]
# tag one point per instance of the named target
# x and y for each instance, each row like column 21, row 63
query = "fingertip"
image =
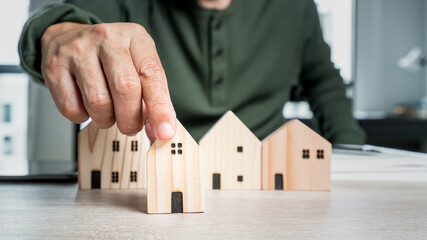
column 165, row 131
column 130, row 129
column 162, row 121
column 80, row 120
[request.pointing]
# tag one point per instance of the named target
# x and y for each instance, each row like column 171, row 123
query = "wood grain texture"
column 283, row 153
column 354, row 210
column 181, row 171
column 273, row 160
column 95, row 152
column 220, row 145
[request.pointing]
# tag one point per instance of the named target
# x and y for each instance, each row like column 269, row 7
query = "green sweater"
column 245, row 59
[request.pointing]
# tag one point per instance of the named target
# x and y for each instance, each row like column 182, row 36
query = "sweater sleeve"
column 79, row 11
column 324, row 87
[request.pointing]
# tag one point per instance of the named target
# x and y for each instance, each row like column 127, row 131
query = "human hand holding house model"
column 114, row 84
column 109, row 72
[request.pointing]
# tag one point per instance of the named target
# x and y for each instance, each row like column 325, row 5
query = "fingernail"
column 164, row 131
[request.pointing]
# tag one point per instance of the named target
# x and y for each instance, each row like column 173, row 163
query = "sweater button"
column 219, row 52
column 219, row 80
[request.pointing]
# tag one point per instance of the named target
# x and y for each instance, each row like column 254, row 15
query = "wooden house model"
column 108, row 159
column 294, row 157
column 233, row 155
column 175, row 170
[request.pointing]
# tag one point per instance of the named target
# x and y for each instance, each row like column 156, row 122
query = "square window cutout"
column 240, row 178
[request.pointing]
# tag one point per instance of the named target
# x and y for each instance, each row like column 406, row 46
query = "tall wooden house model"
column 108, row 159
column 294, row 157
column 233, row 155
column 175, row 175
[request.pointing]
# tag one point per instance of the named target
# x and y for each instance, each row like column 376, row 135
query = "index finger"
column 160, row 112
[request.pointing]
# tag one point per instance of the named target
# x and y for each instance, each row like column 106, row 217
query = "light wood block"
column 233, row 152
column 300, row 155
column 99, row 158
column 175, row 175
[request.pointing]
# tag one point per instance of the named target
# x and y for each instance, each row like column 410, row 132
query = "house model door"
column 216, row 181
column 96, row 179
column 278, row 181
column 177, row 202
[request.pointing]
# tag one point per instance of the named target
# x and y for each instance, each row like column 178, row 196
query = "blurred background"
column 379, row 46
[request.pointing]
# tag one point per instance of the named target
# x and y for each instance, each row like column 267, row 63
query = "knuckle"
column 138, row 29
column 99, row 102
column 104, row 123
column 160, row 108
column 150, row 70
column 150, row 41
column 61, row 49
column 70, row 111
column 51, row 63
column 158, row 103
column 142, row 33
column 102, row 30
column 128, row 129
column 78, row 46
column 126, row 84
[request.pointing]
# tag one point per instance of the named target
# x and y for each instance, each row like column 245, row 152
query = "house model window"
column 305, row 154
column 175, row 150
column 320, row 154
column 116, row 146
column 134, row 146
column 239, row 149
column 133, row 176
column 240, row 178
column 115, row 177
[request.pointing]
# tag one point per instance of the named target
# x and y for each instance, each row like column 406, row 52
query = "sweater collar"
column 204, row 13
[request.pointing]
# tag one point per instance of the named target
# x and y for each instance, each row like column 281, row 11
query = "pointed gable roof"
column 295, row 123
column 229, row 118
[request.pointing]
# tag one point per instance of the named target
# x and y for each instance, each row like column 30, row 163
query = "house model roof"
column 232, row 120
column 298, row 124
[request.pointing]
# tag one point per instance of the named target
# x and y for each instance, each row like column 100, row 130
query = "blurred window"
column 7, row 143
column 13, row 90
column 7, row 113
column 336, row 17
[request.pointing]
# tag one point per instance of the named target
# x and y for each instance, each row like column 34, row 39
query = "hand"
column 109, row 72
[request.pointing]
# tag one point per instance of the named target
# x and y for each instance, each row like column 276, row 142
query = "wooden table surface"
column 374, row 196
column 353, row 210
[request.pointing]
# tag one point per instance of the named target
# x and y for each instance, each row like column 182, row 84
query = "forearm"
column 324, row 87
column 332, row 110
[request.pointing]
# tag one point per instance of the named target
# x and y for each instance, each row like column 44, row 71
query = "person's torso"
column 245, row 59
